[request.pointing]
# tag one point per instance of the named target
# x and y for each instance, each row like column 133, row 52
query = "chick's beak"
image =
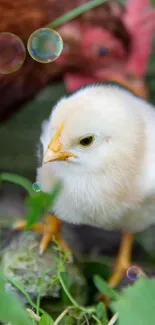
column 57, row 156
column 54, row 151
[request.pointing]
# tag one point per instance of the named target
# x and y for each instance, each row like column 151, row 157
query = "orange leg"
column 50, row 229
column 123, row 261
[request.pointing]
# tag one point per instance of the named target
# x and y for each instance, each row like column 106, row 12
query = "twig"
column 33, row 315
column 113, row 319
column 86, row 320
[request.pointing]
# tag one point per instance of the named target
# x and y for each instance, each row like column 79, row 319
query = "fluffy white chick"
column 100, row 142
column 101, row 145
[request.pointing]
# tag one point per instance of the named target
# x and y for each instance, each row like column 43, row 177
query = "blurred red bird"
column 103, row 56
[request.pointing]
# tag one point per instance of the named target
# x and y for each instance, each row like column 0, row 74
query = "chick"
column 99, row 142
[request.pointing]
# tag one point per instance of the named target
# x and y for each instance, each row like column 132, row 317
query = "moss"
column 22, row 262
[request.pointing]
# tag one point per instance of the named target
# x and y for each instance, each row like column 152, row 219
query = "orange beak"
column 62, row 155
column 54, row 151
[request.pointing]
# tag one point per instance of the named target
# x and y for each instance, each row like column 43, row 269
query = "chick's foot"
column 50, row 229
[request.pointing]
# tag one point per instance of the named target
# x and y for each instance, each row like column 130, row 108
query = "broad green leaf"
column 153, row 2
column 11, row 310
column 103, row 287
column 136, row 304
column 46, row 320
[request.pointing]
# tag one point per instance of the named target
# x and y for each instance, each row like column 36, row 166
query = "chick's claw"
column 50, row 229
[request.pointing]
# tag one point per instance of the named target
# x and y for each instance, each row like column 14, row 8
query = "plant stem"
column 97, row 320
column 17, row 286
column 62, row 315
column 70, row 15
column 75, row 304
column 67, row 292
column 40, row 288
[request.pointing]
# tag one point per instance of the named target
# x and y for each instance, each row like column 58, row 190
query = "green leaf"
column 101, row 312
column 16, row 179
column 153, row 2
column 136, row 305
column 66, row 279
column 46, row 320
column 39, row 202
column 11, row 311
column 93, row 266
column 147, row 242
column 70, row 15
column 68, row 320
column 2, row 282
column 103, row 287
column 36, row 202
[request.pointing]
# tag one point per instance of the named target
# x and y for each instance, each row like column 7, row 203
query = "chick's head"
column 92, row 129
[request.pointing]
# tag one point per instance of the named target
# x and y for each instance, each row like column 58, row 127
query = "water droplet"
column 36, row 187
column 133, row 273
column 45, row 45
column 12, row 53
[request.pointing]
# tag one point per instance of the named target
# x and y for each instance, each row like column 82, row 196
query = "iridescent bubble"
column 12, row 53
column 36, row 187
column 45, row 45
column 133, row 273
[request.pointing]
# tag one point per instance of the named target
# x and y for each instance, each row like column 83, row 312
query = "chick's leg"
column 123, row 260
column 50, row 228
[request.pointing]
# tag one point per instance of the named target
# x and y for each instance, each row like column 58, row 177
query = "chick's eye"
column 87, row 141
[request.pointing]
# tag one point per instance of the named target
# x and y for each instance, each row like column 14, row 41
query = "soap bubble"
column 45, row 45
column 12, row 53
column 36, row 187
column 133, row 273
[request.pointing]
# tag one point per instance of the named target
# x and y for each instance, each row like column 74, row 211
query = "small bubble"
column 45, row 45
column 36, row 187
column 12, row 53
column 133, row 273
